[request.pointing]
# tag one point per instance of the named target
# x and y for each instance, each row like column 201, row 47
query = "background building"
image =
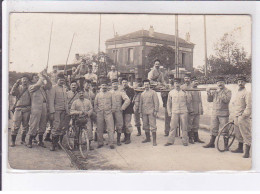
column 129, row 52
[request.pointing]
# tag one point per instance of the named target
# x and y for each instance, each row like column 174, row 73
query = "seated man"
column 83, row 106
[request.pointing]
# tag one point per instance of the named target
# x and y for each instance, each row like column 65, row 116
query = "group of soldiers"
column 111, row 108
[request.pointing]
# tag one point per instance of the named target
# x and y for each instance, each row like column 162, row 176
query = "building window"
column 183, row 59
column 115, row 52
column 130, row 55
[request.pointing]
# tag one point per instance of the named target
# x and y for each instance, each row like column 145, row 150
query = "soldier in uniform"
column 148, row 109
column 39, row 107
column 121, row 103
column 113, row 74
column 196, row 103
column 58, row 110
column 155, row 75
column 90, row 75
column 136, row 101
column 22, row 109
column 177, row 106
column 187, row 85
column 220, row 113
column 242, row 121
column 127, row 113
column 104, row 106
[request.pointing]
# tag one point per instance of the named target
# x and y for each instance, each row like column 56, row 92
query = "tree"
column 165, row 54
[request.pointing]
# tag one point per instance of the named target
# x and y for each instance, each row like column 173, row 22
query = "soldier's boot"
column 226, row 143
column 190, row 135
column 166, row 134
column 54, row 142
column 60, row 138
column 128, row 140
column 23, row 139
column 154, row 138
column 40, row 143
column 123, row 141
column 13, row 138
column 247, row 150
column 196, row 138
column 48, row 137
column 118, row 139
column 95, row 138
column 34, row 139
column 147, row 139
column 29, row 145
column 211, row 143
column 239, row 148
column 139, row 131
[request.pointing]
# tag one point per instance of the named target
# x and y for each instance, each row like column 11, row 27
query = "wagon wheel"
column 84, row 144
column 227, row 132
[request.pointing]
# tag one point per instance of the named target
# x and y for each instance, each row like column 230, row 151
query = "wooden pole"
column 115, row 50
column 176, row 46
column 205, row 41
column 69, row 53
column 49, row 47
column 98, row 59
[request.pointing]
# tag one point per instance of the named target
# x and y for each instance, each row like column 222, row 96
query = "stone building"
column 130, row 51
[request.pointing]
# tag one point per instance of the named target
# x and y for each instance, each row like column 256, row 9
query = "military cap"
column 177, row 80
column 90, row 66
column 60, row 75
column 187, row 75
column 194, row 79
column 83, row 60
column 243, row 78
column 146, row 80
column 114, row 80
column 73, row 81
column 220, row 78
column 124, row 78
column 88, row 81
column 171, row 76
column 156, row 61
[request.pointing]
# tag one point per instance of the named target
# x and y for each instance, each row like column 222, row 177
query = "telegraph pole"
column 176, row 46
column 205, row 41
column 115, row 50
column 98, row 59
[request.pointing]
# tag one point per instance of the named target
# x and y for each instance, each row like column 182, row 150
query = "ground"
column 135, row 156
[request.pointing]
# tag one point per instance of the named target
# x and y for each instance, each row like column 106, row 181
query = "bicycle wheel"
column 227, row 132
column 84, row 143
column 70, row 137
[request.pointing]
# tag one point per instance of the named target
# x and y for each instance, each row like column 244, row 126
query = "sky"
column 30, row 34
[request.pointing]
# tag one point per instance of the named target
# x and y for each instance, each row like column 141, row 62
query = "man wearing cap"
column 164, row 95
column 187, row 85
column 220, row 111
column 90, row 75
column 242, row 121
column 58, row 110
column 104, row 106
column 155, row 75
column 196, row 103
column 136, row 101
column 121, row 103
column 39, row 107
column 148, row 109
column 177, row 106
column 127, row 113
column 81, row 70
column 22, row 108
column 77, row 59
column 113, row 74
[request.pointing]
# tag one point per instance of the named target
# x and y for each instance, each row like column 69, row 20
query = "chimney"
column 188, row 37
column 151, row 31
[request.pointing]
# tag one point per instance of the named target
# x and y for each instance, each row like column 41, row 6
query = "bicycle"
column 77, row 135
column 227, row 132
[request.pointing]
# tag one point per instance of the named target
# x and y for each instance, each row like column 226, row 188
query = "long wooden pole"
column 49, row 47
column 176, row 46
column 115, row 51
column 205, row 41
column 69, row 53
column 99, row 45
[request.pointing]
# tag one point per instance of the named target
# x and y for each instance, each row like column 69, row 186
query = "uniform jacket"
column 220, row 99
column 72, row 97
column 39, row 95
column 243, row 103
column 196, row 102
column 90, row 95
column 104, row 101
column 112, row 75
column 58, row 99
column 177, row 102
column 130, row 92
column 137, row 101
column 155, row 75
column 25, row 99
column 121, row 99
column 81, row 105
column 188, row 93
column 149, row 102
column 91, row 76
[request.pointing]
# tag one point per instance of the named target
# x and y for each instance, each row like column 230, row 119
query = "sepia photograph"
column 129, row 92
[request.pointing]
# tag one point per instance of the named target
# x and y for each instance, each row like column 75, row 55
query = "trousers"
column 38, row 121
column 103, row 119
column 128, row 128
column 243, row 129
column 137, row 119
column 218, row 122
column 118, row 118
column 167, row 121
column 149, row 123
column 176, row 117
column 59, row 123
column 21, row 116
column 195, row 122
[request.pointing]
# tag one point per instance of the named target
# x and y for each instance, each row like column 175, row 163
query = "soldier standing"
column 196, row 103
column 121, row 103
column 58, row 110
column 220, row 112
column 242, row 121
column 22, row 108
column 113, row 74
column 148, row 109
column 90, row 75
column 127, row 113
column 186, row 86
column 39, row 107
column 177, row 106
column 136, row 101
column 104, row 106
